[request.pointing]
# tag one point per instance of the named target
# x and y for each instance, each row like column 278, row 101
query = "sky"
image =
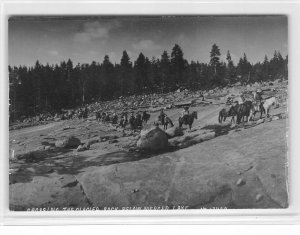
column 83, row 39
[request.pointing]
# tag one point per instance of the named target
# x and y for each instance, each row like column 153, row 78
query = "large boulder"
column 145, row 131
column 68, row 142
column 154, row 140
column 174, row 131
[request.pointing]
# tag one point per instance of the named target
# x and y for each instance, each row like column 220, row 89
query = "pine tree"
column 215, row 58
column 107, row 82
column 154, row 74
column 177, row 65
column 125, row 74
column 244, row 69
column 230, row 69
column 140, row 74
column 265, row 68
column 165, row 68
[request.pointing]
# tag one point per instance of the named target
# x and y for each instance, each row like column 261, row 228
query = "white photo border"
column 291, row 215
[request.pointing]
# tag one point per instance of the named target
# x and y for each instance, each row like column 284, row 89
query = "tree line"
column 49, row 88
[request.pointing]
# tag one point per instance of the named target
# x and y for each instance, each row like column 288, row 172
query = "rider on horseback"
column 259, row 95
column 114, row 118
column 184, row 114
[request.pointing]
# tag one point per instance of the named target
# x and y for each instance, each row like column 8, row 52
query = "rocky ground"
column 213, row 165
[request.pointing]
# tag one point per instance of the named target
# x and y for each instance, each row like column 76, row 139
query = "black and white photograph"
column 148, row 112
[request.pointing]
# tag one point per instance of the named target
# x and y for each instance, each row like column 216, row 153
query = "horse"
column 124, row 120
column 241, row 111
column 107, row 118
column 132, row 122
column 103, row 116
column 85, row 113
column 224, row 113
column 98, row 116
column 69, row 114
column 166, row 122
column 269, row 103
column 145, row 117
column 80, row 114
column 114, row 119
column 256, row 107
column 138, row 122
column 188, row 120
column 160, row 120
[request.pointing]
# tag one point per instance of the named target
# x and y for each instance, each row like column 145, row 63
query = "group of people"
column 70, row 114
column 257, row 98
column 83, row 112
column 135, row 120
column 105, row 117
column 184, row 113
column 247, row 108
column 164, row 120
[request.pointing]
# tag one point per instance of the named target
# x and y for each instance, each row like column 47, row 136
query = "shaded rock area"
column 69, row 142
column 174, row 131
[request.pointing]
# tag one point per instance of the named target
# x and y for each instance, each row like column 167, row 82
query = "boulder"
column 156, row 139
column 83, row 147
column 169, row 106
column 161, row 100
column 275, row 118
column 68, row 142
column 283, row 116
column 258, row 197
column 80, row 148
column 86, row 146
column 174, row 131
column 113, row 141
column 240, row 182
column 146, row 131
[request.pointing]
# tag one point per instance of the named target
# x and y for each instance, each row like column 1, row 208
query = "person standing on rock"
column 161, row 116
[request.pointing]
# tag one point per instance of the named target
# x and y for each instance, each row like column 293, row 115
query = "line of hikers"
column 135, row 120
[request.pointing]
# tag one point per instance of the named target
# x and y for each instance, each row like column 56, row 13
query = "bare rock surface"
column 57, row 191
column 199, row 176
column 199, row 169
